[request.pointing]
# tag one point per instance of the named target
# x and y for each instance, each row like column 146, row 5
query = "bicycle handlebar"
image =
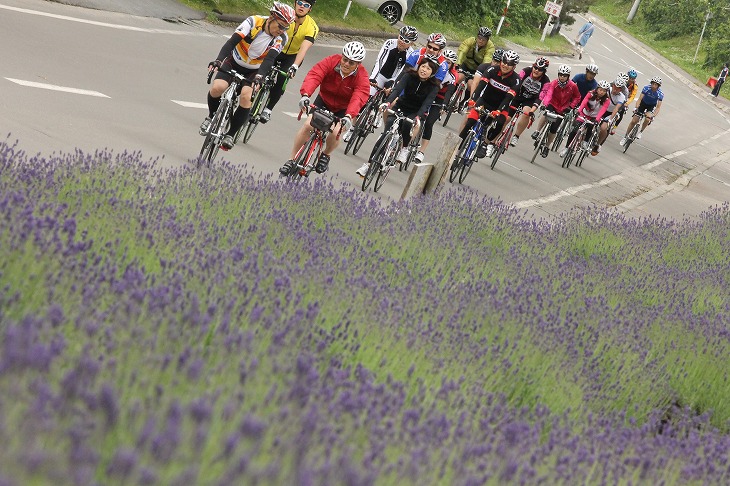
column 400, row 115
column 335, row 119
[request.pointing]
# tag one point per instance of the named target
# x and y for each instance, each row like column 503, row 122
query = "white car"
column 391, row 10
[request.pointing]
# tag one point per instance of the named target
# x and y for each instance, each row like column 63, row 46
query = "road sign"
column 553, row 8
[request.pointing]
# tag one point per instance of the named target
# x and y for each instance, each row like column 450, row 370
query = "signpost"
column 553, row 10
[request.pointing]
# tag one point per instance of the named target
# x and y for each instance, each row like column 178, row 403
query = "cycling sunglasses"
column 303, row 4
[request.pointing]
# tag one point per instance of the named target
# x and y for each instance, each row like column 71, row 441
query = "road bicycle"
column 563, row 129
column 458, row 98
column 634, row 131
column 259, row 101
column 221, row 119
column 308, row 155
column 541, row 142
column 385, row 152
column 577, row 149
column 364, row 124
column 415, row 143
column 502, row 143
column 467, row 153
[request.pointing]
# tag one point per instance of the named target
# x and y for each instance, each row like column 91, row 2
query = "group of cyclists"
column 419, row 83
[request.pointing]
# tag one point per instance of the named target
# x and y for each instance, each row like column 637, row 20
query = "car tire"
column 391, row 12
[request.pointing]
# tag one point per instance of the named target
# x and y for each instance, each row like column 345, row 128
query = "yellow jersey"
column 298, row 33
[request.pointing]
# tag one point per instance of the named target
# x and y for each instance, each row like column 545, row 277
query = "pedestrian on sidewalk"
column 720, row 80
column 584, row 34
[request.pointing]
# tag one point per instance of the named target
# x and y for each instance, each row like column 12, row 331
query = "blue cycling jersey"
column 584, row 86
column 415, row 56
column 651, row 98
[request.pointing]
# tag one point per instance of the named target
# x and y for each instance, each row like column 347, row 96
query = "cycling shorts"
column 643, row 108
column 229, row 64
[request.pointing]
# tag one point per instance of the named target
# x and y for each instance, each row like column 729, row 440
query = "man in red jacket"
column 344, row 87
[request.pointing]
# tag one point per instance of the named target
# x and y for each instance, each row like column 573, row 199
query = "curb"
column 331, row 29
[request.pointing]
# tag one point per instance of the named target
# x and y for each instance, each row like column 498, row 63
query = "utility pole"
column 633, row 11
column 707, row 18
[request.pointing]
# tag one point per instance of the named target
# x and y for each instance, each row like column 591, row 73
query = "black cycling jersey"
column 530, row 88
column 390, row 60
column 414, row 96
column 495, row 90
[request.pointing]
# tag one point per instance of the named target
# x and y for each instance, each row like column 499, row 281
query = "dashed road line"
column 106, row 24
column 190, row 104
column 53, row 87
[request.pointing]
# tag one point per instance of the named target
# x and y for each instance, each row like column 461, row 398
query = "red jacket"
column 338, row 93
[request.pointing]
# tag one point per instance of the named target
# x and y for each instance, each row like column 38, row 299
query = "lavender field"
column 188, row 327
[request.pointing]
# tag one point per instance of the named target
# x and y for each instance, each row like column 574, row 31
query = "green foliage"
column 718, row 38
column 674, row 19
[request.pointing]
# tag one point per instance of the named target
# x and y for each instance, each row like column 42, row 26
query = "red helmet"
column 541, row 63
column 283, row 12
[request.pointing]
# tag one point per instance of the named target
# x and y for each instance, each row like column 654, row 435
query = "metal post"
column 707, row 18
column 501, row 20
column 544, row 31
column 634, row 9
column 347, row 9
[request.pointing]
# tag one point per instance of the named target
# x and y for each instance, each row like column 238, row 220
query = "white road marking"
column 606, row 47
column 54, row 87
column 292, row 114
column 570, row 191
column 190, row 104
column 105, row 24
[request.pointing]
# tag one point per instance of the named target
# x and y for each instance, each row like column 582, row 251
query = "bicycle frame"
column 259, row 100
column 308, row 155
column 364, row 124
column 221, row 118
column 563, row 129
column 635, row 130
column 466, row 154
column 575, row 147
column 385, row 152
column 542, row 138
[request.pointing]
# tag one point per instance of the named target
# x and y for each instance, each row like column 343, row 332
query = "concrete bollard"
column 417, row 180
column 443, row 164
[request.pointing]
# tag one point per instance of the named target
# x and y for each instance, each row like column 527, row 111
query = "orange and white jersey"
column 255, row 43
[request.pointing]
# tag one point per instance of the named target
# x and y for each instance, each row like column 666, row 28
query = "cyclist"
column 343, row 89
column 560, row 96
column 253, row 46
column 301, row 35
column 435, row 44
column 392, row 58
column 448, row 86
column 617, row 100
column 494, row 63
column 390, row 62
column 533, row 82
column 592, row 108
column 586, row 82
column 413, row 94
column 633, row 89
column 494, row 92
column 650, row 100
column 473, row 51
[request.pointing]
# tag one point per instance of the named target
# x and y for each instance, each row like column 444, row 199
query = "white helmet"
column 564, row 69
column 619, row 82
column 657, row 80
column 592, row 68
column 604, row 84
column 354, row 50
column 438, row 39
column 449, row 55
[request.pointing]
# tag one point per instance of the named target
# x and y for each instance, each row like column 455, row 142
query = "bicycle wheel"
column 357, row 129
column 366, row 129
column 460, row 156
column 218, row 125
column 584, row 153
column 501, row 146
column 413, row 148
column 453, row 103
column 304, row 157
column 262, row 98
column 541, row 142
column 559, row 135
column 376, row 162
column 632, row 136
column 466, row 165
column 386, row 164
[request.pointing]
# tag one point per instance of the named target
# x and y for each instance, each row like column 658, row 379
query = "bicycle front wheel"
column 502, row 143
column 541, row 142
column 262, row 98
column 218, row 125
column 305, row 157
column 386, row 164
column 460, row 157
column 376, row 161
column 631, row 137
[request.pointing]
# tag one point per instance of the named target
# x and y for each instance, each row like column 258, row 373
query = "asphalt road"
column 99, row 79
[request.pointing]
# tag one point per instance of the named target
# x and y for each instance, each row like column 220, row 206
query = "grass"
column 679, row 50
